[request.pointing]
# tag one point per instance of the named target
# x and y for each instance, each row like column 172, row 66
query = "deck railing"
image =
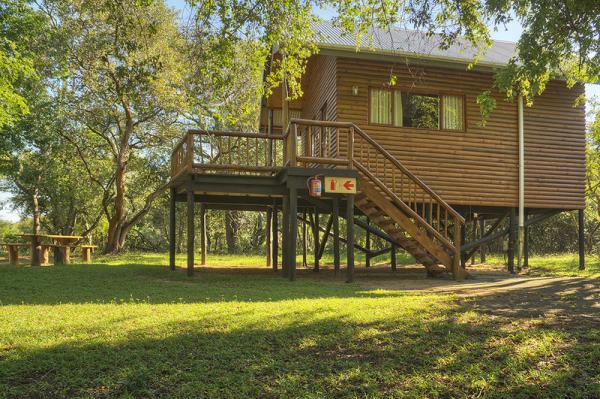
column 227, row 152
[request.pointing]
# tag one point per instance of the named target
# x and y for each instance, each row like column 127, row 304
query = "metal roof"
column 410, row 43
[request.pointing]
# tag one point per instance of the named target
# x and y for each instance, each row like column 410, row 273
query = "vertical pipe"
column 336, row 235
column 521, row 181
column 293, row 233
column 190, row 232
column 275, row 242
column 581, row 229
column 526, row 243
column 172, row 229
column 350, row 238
column 203, row 238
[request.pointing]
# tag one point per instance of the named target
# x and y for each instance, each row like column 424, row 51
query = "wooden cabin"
column 401, row 116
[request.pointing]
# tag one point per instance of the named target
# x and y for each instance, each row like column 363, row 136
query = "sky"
column 511, row 32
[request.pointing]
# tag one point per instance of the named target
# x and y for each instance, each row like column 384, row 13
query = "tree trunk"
column 230, row 231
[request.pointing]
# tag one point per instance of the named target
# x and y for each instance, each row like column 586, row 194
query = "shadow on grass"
column 434, row 355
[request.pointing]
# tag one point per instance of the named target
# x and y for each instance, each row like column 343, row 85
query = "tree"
column 593, row 175
column 125, row 87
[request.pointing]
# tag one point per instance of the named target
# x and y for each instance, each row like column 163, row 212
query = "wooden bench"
column 13, row 251
column 86, row 252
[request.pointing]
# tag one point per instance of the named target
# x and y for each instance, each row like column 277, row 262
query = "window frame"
column 424, row 92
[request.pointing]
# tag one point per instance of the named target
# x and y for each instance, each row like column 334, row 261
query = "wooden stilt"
column 368, row 245
column 350, row 238
column 269, row 236
column 304, row 241
column 285, row 234
column 482, row 232
column 393, row 258
column 581, row 231
column 316, row 239
column 172, row 229
column 336, row 235
column 463, row 239
column 275, row 242
column 475, row 235
column 526, row 242
column 190, row 232
column 203, row 235
column 293, row 215
column 512, row 238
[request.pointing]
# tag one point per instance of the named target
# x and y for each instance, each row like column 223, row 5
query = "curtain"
column 381, row 107
column 453, row 107
column 398, row 115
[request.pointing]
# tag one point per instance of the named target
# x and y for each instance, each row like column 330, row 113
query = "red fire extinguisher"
column 314, row 186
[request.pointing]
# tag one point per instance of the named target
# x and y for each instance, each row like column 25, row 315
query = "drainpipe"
column 521, row 180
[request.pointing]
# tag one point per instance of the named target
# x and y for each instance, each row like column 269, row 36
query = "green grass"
column 125, row 327
column 565, row 264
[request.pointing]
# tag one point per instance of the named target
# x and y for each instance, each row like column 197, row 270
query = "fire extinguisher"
column 314, row 186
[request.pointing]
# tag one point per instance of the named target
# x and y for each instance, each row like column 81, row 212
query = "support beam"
column 304, row 241
column 512, row 240
column 172, row 229
column 368, row 244
column 393, row 260
column 326, row 236
column 581, row 230
column 463, row 239
column 269, row 232
column 275, row 242
column 203, row 235
column 293, row 233
column 526, row 242
column 336, row 235
column 190, row 233
column 285, row 234
column 482, row 247
column 350, row 239
column 316, row 227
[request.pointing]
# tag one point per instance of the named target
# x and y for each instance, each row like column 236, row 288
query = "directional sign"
column 342, row 185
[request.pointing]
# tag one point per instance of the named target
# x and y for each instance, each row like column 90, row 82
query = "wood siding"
column 478, row 166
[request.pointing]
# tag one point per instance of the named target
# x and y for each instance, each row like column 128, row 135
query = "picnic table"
column 41, row 244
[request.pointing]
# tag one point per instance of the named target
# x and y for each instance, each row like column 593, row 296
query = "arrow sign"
column 340, row 185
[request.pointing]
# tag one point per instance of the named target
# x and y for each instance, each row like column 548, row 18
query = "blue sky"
column 511, row 33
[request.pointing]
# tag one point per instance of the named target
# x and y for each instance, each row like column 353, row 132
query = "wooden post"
column 86, row 254
column 336, row 235
column 393, row 258
column 285, row 234
column 456, row 260
column 203, row 236
column 463, row 239
column 316, row 239
column 304, row 240
column 512, row 241
column 275, row 242
column 368, row 245
column 350, row 238
column 475, row 235
column 482, row 232
column 269, row 237
column 293, row 232
column 351, row 150
column 172, row 229
column 190, row 232
column 526, row 242
column 581, row 230
column 13, row 254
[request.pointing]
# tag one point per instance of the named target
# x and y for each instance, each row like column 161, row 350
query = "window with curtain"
column 454, row 117
column 416, row 110
column 381, row 107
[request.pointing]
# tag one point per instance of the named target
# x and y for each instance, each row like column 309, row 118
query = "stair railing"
column 347, row 145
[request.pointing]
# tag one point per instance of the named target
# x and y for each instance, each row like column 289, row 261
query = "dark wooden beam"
column 285, row 234
column 512, row 238
column 368, row 244
column 482, row 247
column 275, row 246
column 304, row 241
column 316, row 227
column 293, row 234
column 269, row 236
column 581, row 230
column 336, row 234
column 172, row 229
column 350, row 239
column 326, row 236
column 190, row 233
column 393, row 257
column 203, row 235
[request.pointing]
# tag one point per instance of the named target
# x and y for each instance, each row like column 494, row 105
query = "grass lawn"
column 126, row 327
column 556, row 265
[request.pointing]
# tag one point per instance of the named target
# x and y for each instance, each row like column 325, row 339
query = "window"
column 416, row 110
